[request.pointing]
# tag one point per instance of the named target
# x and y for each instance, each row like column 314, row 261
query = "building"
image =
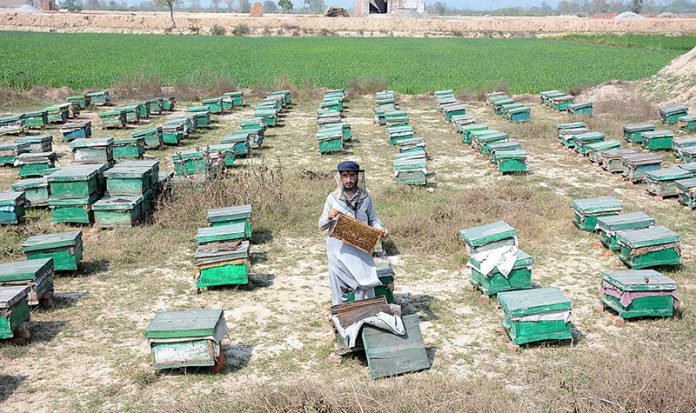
column 369, row 7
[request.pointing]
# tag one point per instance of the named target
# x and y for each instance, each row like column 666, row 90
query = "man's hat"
column 347, row 166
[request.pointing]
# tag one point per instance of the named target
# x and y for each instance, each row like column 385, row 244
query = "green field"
column 82, row 61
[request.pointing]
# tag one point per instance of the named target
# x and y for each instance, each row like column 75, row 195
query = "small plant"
column 194, row 29
column 218, row 30
column 144, row 378
column 241, row 30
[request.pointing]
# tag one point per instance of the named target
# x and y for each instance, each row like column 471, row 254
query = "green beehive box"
column 118, row 211
column 238, row 97
column 385, row 273
column 192, row 162
column 202, row 114
column 687, row 123
column 663, row 182
column 58, row 113
column 152, row 138
column 587, row 138
column 391, row 355
column 466, row 130
column 608, row 226
column 286, row 95
column 181, row 339
column 133, row 148
column 586, row 211
column 35, row 274
column 33, row 165
column 412, row 145
column 582, row 108
column 612, row 160
column 269, row 116
column 460, row 120
column 476, row 135
column 72, row 211
column 518, row 114
column 482, row 140
column 502, row 147
column 456, row 109
column 65, row 249
column 416, row 177
column 240, row 140
column 649, row 247
column 149, row 164
column 36, row 120
column 639, row 293
column 687, row 192
column 671, row 114
column 222, row 154
column 221, row 264
column 567, row 136
column 11, row 130
column 546, row 96
column 638, row 165
column 93, row 151
column 214, row 105
column 330, row 143
column 99, row 98
column 133, row 112
column 143, row 109
column 222, row 233
column 168, row 103
column 230, row 215
column 10, row 150
column 678, row 145
column 173, row 132
column 494, row 282
column 12, row 206
column 76, row 181
column 561, row 103
column 537, row 314
column 396, row 117
column 154, row 106
column 570, row 125
column 593, row 150
column 659, row 140
column 81, row 101
column 227, row 103
column 76, row 130
column 487, row 237
column 410, row 161
column 37, row 143
column 113, row 118
column 35, row 190
column 514, row 161
column 332, row 104
column 397, row 133
column 129, row 180
column 14, row 309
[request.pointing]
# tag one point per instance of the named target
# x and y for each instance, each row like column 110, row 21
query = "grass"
column 642, row 41
column 468, row 65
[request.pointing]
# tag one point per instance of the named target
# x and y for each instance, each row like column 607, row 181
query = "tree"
column 170, row 5
column 600, row 6
column 195, row 5
column 269, row 6
column 230, row 4
column 564, row 7
column 616, row 6
column 315, row 6
column 244, row 6
column 546, row 7
column 637, row 6
column 286, row 5
column 216, row 4
column 438, row 8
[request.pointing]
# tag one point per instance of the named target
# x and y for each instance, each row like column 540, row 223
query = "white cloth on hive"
column 502, row 258
column 564, row 315
column 382, row 320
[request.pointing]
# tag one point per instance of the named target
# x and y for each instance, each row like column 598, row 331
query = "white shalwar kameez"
column 349, row 268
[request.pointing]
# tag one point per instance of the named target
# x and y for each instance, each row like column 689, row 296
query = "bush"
column 241, row 30
column 218, row 30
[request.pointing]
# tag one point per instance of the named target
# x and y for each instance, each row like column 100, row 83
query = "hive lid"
column 34, row 139
column 686, row 184
column 639, row 127
column 229, row 213
column 689, row 167
column 76, row 172
column 662, row 133
column 10, row 198
column 668, row 174
column 533, row 301
column 589, row 136
column 485, row 234
column 571, row 125
column 29, row 184
column 647, row 237
column 597, row 205
column 221, row 233
column 473, row 127
column 117, row 202
column 42, row 242
column 624, row 221
column 91, row 142
column 24, row 270
column 9, row 296
column 639, row 280
column 642, row 158
column 513, row 154
column 183, row 324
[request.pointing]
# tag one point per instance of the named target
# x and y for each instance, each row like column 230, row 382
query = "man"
column 349, row 268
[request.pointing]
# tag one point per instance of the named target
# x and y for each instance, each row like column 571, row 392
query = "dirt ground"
column 89, row 353
column 293, row 25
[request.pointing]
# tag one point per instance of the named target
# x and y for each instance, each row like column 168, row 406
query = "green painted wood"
column 118, row 211
column 36, row 120
column 191, row 353
column 589, row 209
column 71, row 212
column 649, row 247
column 520, row 277
column 35, row 190
column 583, row 139
column 648, row 237
column 530, row 332
column 411, row 177
column 228, row 214
column 184, row 324
column 28, row 270
column 391, row 355
column 608, row 226
column 13, row 317
column 214, row 105
column 536, row 301
column 489, row 234
column 221, row 233
column 331, row 145
column 230, row 274
column 663, row 182
column 658, row 306
column 657, row 258
column 99, row 98
column 661, row 140
column 583, row 108
column 671, row 114
column 223, row 151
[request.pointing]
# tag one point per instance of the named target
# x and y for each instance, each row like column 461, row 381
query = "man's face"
column 349, row 179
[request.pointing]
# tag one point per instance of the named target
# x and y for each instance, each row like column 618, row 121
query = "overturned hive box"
column 639, row 293
column 608, row 226
column 649, row 247
column 586, row 211
column 356, row 233
column 36, row 274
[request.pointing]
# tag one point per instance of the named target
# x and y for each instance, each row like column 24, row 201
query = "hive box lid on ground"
column 51, row 241
column 647, row 237
column 234, row 213
column 222, row 233
column 221, row 252
column 483, row 235
column 9, row 296
column 185, row 324
column 25, row 270
column 639, row 280
column 590, row 206
column 533, row 301
column 622, row 222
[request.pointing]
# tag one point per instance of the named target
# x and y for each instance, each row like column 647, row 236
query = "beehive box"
column 518, row 114
column 412, row 145
column 238, row 97
column 561, row 103
column 230, row 215
column 37, row 143
column 482, row 140
column 10, row 150
column 113, row 118
column 498, row 102
column 546, row 96
column 136, row 166
column 659, row 140
column 460, row 120
column 72, row 211
column 687, row 123
column 330, row 143
column 570, row 125
column 214, row 105
column 456, row 109
column 14, row 309
column 32, row 165
column 490, row 284
column 76, row 181
column 537, row 314
column 687, row 192
column 129, row 148
column 355, row 233
column 492, row 95
column 671, row 114
column 35, row 120
column 678, row 145
column 415, row 177
column 583, row 139
column 487, row 237
column 399, row 132
column 649, row 247
column 154, row 106
column 586, row 211
column 466, row 131
column 35, row 274
column 639, row 293
column 99, row 98
column 193, row 162
column 133, row 112
column 385, row 274
column 181, row 339
column 65, row 249
column 118, row 211
column 11, row 130
column 502, row 147
column 688, row 155
column 638, row 165
column 173, row 132
column 58, row 113
column 168, row 103
column 567, row 136
column 593, row 150
column 582, row 108
column 222, row 153
column 79, row 101
column 608, row 226
column 202, row 114
column 12, row 206
column 514, row 161
column 410, row 161
column 35, row 190
column 612, row 160
column 152, row 138
column 76, row 130
column 634, row 133
column 269, row 115
column 222, row 263
column 240, row 140
column 662, row 182
column 223, row 233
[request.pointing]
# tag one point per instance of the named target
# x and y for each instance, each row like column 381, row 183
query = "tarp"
column 382, row 320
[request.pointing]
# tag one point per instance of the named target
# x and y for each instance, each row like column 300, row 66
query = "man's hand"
column 333, row 213
column 385, row 233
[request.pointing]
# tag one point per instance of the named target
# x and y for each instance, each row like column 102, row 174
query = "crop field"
column 81, row 61
column 88, row 353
